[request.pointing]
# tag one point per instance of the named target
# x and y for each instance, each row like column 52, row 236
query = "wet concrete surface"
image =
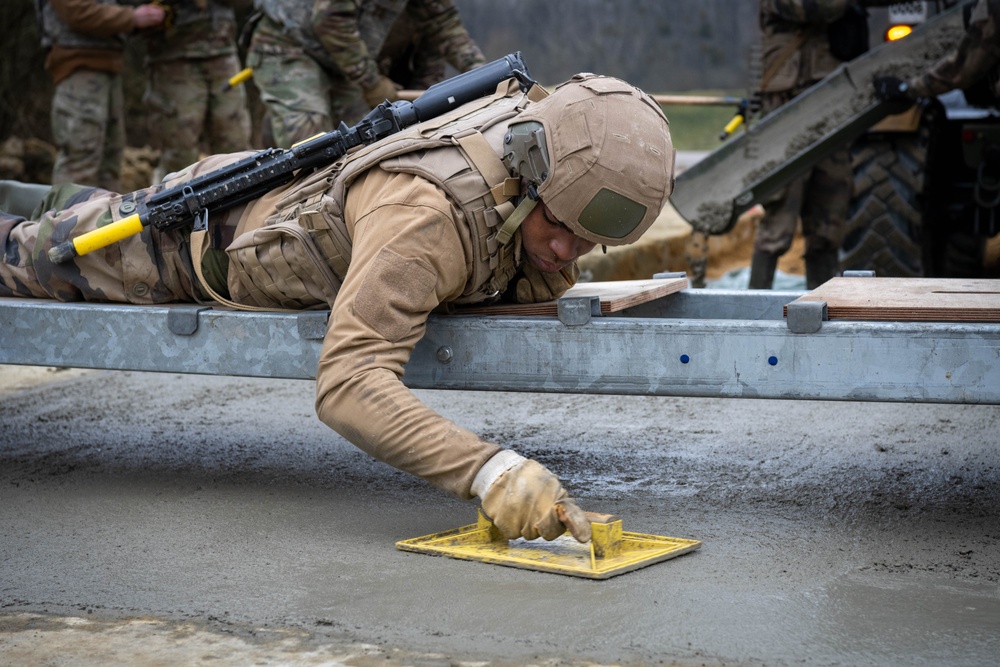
column 162, row 519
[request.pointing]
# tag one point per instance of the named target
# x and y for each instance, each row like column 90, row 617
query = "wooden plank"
column 615, row 295
column 910, row 299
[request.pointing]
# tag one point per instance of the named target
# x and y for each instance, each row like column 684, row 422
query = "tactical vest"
column 186, row 13
column 192, row 33
column 794, row 55
column 298, row 257
column 55, row 31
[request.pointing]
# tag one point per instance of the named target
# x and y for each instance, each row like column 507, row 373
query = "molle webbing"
column 474, row 176
column 454, row 151
column 56, row 31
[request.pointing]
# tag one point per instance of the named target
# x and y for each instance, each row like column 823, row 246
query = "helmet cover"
column 610, row 161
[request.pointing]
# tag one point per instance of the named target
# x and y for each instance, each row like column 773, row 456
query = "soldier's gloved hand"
column 147, row 16
column 528, row 501
column 892, row 89
column 384, row 89
column 540, row 286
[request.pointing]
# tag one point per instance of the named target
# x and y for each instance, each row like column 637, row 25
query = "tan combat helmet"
column 597, row 151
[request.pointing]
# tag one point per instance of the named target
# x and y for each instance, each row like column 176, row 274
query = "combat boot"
column 762, row 266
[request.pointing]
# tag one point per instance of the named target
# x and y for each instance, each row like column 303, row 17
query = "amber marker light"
column 897, row 32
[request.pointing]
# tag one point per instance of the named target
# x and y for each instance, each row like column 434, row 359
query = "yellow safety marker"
column 731, row 126
column 97, row 239
column 238, row 78
column 611, row 551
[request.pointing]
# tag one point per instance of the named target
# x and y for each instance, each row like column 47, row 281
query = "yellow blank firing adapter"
column 96, row 239
column 238, row 78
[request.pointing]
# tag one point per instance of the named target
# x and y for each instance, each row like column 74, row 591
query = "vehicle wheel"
column 963, row 256
column 885, row 220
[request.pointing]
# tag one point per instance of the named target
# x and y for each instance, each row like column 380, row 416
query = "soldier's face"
column 548, row 244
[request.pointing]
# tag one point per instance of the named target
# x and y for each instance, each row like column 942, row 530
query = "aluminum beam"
column 716, row 353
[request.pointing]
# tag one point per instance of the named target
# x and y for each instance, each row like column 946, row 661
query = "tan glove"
column 529, row 501
column 384, row 89
column 539, row 286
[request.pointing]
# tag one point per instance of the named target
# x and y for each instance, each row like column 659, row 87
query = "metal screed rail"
column 697, row 342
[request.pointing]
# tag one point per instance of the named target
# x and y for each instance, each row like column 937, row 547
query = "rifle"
column 254, row 176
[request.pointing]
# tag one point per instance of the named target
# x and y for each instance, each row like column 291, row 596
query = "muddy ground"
column 156, row 519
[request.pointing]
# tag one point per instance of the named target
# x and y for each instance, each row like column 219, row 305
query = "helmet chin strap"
column 511, row 224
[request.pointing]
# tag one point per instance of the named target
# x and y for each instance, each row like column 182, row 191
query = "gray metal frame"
column 721, row 343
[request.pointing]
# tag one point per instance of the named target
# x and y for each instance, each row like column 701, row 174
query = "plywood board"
column 910, row 299
column 615, row 295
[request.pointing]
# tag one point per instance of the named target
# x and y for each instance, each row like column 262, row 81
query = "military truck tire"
column 963, row 256
column 885, row 220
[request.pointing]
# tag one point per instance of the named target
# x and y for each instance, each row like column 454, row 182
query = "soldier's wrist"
column 370, row 79
column 491, row 471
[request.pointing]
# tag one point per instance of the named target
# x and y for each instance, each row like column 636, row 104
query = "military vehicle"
column 927, row 180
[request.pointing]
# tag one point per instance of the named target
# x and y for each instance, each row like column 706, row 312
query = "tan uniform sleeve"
column 408, row 257
column 94, row 18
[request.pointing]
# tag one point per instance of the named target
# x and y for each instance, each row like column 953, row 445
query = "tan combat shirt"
column 411, row 252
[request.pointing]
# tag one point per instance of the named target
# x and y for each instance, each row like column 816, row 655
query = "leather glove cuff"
column 495, row 466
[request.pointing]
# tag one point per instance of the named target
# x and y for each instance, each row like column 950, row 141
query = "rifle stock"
column 254, row 176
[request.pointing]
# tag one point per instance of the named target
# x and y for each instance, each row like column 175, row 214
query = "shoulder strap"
column 198, row 249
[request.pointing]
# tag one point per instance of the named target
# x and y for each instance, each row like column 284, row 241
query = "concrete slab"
column 150, row 519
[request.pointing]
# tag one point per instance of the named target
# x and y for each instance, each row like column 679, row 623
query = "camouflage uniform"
column 391, row 233
column 314, row 60
column 188, row 63
column 796, row 54
column 85, row 62
column 977, row 55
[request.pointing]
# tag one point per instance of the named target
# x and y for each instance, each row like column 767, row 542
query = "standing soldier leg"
column 824, row 216
column 109, row 175
column 80, row 123
column 295, row 91
column 177, row 101
column 775, row 233
column 228, row 112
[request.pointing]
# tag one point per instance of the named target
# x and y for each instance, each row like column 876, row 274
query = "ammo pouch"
column 280, row 267
column 298, row 257
column 848, row 35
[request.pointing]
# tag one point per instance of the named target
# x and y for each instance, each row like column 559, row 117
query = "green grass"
column 697, row 128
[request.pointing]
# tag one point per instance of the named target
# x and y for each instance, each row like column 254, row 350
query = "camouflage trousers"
column 189, row 112
column 820, row 198
column 302, row 98
column 148, row 268
column 88, row 125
